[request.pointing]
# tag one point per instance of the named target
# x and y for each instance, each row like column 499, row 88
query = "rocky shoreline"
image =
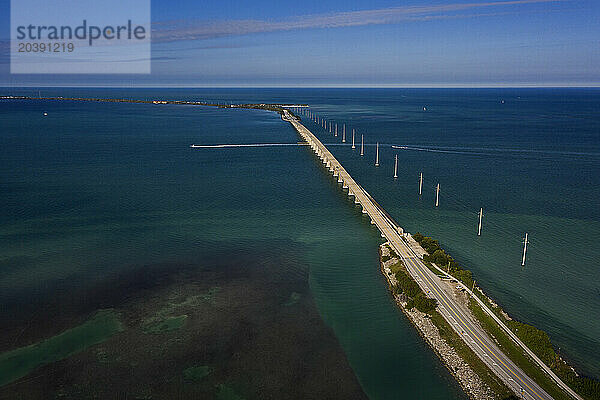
column 475, row 388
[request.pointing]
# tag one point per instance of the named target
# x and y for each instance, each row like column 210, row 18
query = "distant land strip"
column 263, row 106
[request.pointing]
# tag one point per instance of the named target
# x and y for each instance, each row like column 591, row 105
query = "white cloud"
column 193, row 30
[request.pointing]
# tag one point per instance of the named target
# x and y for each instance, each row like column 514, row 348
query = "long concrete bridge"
column 454, row 313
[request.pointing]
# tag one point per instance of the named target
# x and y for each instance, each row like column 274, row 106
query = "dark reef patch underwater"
column 225, row 329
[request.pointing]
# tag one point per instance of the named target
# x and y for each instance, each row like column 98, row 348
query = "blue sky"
column 358, row 43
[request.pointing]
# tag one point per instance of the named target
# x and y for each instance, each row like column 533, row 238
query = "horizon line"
column 325, row 86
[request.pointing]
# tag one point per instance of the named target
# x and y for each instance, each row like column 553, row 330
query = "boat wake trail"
column 225, row 146
column 437, row 150
column 479, row 151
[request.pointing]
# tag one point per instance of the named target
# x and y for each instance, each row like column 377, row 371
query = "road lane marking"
column 473, row 333
column 382, row 223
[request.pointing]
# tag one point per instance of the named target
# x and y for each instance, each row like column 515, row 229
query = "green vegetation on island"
column 468, row 355
column 516, row 354
column 537, row 340
column 415, row 298
column 438, row 256
column 278, row 108
column 414, row 295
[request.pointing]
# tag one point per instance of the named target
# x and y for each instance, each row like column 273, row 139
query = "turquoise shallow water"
column 95, row 188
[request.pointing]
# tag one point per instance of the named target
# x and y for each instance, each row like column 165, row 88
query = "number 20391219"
column 35, row 47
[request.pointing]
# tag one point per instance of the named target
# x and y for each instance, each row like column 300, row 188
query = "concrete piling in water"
column 362, row 145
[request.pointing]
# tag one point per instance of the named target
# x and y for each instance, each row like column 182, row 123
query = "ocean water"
column 531, row 160
column 96, row 188
column 92, row 190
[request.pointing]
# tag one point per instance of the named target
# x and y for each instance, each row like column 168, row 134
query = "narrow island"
column 278, row 108
column 535, row 339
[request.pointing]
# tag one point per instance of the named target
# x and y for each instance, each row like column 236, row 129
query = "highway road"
column 471, row 333
column 456, row 315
